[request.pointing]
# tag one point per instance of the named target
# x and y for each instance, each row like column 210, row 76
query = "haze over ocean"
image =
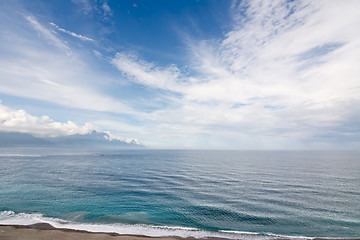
column 230, row 194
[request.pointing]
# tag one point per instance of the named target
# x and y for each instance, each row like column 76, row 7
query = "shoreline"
column 46, row 231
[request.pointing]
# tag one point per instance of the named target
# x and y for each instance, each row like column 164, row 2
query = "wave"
column 12, row 218
column 19, row 155
column 34, row 155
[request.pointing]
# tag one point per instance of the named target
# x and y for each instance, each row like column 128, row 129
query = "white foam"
column 12, row 218
column 288, row 236
column 239, row 232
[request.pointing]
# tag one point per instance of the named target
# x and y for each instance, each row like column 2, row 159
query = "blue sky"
column 184, row 74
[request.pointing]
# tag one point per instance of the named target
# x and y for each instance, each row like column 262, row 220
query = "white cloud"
column 112, row 137
column 12, row 120
column 84, row 38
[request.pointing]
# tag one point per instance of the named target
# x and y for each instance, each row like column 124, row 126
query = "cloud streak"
column 81, row 37
column 47, row 34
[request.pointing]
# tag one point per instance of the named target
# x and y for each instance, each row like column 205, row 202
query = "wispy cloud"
column 106, row 9
column 291, row 68
column 33, row 68
column 260, row 58
column 85, row 5
column 47, row 33
column 89, row 7
column 146, row 73
column 81, row 37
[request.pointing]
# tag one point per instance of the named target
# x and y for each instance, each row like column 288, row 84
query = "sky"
column 184, row 74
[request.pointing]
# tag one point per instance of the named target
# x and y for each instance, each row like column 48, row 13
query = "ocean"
column 225, row 194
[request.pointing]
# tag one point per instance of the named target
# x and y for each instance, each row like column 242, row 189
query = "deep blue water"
column 185, row 193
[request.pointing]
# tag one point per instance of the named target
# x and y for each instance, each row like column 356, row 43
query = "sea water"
column 225, row 194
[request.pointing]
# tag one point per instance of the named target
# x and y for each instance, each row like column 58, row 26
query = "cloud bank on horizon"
column 44, row 127
column 181, row 74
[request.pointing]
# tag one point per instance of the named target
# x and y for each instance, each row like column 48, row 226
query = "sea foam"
column 12, row 218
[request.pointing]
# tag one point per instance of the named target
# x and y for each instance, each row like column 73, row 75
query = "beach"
column 46, row 231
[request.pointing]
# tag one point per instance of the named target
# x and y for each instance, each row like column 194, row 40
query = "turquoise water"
column 230, row 194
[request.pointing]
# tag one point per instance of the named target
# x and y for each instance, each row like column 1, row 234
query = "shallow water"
column 185, row 193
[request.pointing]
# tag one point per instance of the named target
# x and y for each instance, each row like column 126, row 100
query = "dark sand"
column 44, row 231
